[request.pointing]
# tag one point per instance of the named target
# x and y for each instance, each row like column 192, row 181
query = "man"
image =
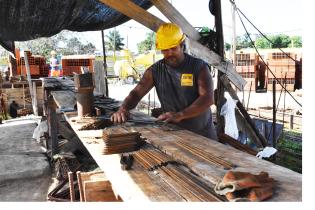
column 13, row 109
column 261, row 71
column 54, row 65
column 298, row 74
column 183, row 84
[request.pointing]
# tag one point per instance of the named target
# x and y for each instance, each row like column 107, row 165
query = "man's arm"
column 131, row 101
column 200, row 105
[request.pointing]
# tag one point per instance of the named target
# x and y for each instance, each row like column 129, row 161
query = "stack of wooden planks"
column 120, row 140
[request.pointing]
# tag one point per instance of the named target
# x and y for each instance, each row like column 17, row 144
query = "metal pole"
column 274, row 113
column 104, row 63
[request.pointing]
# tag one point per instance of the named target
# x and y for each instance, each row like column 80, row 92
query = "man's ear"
column 183, row 46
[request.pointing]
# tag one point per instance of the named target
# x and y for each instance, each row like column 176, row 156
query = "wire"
column 288, row 55
column 263, row 59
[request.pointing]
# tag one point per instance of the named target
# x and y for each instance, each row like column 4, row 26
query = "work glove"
column 243, row 186
column 266, row 153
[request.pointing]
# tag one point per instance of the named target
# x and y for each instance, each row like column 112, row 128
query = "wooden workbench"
column 141, row 185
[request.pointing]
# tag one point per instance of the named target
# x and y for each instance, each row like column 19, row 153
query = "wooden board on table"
column 289, row 183
column 64, row 99
column 136, row 184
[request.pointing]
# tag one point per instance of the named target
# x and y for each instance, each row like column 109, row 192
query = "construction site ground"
column 25, row 173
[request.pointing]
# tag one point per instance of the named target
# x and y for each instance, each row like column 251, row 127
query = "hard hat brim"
column 161, row 47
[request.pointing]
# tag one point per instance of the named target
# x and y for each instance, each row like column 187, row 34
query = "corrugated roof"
column 22, row 20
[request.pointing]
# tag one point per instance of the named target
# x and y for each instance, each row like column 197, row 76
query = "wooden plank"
column 169, row 11
column 138, row 184
column 135, row 12
column 99, row 78
column 71, row 186
column 64, row 99
column 98, row 191
column 35, row 106
column 28, row 71
column 52, row 126
column 289, row 183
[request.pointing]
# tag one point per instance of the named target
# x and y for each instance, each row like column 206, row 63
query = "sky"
column 269, row 16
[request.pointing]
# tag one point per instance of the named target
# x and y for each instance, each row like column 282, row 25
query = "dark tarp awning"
column 22, row 20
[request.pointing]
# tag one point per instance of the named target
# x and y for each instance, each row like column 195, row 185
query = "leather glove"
column 241, row 186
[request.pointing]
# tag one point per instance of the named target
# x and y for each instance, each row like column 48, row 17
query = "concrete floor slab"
column 25, row 173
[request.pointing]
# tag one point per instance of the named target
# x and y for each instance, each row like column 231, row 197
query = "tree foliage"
column 297, row 41
column 147, row 44
column 114, row 40
column 278, row 41
column 43, row 46
column 243, row 42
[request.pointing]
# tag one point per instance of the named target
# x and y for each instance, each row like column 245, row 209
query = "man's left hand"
column 171, row 117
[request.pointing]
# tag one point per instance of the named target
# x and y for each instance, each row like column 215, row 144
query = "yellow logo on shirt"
column 187, row 80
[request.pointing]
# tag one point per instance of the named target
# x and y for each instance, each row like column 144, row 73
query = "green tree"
column 75, row 45
column 297, row 41
column 89, row 48
column 114, row 40
column 280, row 41
column 227, row 46
column 243, row 42
column 43, row 46
column 262, row 43
column 147, row 44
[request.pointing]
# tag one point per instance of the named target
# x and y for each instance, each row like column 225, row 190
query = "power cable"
column 279, row 82
column 238, row 10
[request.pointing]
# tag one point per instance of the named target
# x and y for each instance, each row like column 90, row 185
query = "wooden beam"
column 243, row 125
column 135, row 12
column 28, row 73
column 175, row 16
column 140, row 15
column 52, row 126
column 220, row 49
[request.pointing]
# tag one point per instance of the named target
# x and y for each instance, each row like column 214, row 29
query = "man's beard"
column 172, row 61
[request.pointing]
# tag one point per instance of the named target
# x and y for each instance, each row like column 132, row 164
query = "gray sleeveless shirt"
column 177, row 89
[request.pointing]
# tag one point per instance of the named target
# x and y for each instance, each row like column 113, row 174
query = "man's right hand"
column 120, row 116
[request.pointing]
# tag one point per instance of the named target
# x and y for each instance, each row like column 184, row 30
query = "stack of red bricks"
column 38, row 66
column 76, row 64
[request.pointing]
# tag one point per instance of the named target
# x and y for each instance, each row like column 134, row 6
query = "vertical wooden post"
column 28, row 73
column 291, row 121
column 35, row 107
column 71, row 186
column 100, row 86
column 274, row 113
column 52, row 126
column 105, row 64
column 220, row 51
column 12, row 62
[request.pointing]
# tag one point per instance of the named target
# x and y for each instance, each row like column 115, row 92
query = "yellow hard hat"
column 53, row 52
column 169, row 35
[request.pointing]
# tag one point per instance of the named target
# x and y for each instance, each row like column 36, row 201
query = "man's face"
column 173, row 56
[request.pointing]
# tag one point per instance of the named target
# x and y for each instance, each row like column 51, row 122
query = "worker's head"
column 53, row 53
column 170, row 40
